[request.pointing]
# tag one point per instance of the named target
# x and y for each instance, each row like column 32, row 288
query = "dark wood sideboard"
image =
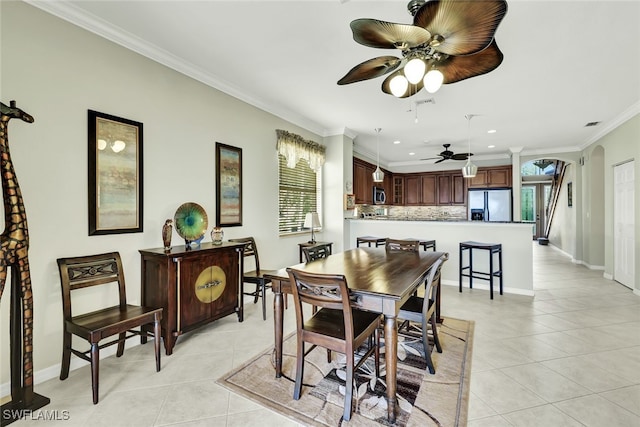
column 194, row 286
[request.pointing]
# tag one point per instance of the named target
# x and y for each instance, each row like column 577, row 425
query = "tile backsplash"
column 414, row 212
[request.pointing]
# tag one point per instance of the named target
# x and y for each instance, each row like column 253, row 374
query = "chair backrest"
column 329, row 291
column 92, row 270
column 432, row 285
column 312, row 253
column 250, row 249
column 402, row 245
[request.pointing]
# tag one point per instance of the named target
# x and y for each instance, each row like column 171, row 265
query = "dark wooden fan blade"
column 466, row 26
column 441, row 160
column 388, row 35
column 456, row 68
column 461, row 156
column 432, row 158
column 370, row 69
column 411, row 89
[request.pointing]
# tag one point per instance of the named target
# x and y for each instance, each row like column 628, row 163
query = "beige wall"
column 56, row 72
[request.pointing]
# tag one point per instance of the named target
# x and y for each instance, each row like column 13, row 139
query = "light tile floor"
column 570, row 356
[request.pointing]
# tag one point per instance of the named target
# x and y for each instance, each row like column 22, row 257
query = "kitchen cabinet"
column 398, row 190
column 363, row 182
column 420, row 189
column 452, row 189
column 492, row 177
column 193, row 285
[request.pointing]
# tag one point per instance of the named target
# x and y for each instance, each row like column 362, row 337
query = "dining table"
column 380, row 281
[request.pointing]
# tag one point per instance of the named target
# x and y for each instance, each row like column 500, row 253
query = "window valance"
column 293, row 147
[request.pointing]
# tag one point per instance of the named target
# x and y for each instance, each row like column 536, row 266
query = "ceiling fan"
column 449, row 41
column 449, row 155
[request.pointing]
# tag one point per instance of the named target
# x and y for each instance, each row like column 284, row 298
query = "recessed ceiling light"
column 491, row 131
column 491, row 146
column 396, row 142
column 412, row 154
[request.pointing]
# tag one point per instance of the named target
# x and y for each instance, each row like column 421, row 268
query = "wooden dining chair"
column 257, row 275
column 335, row 326
column 94, row 326
column 418, row 314
column 312, row 253
column 409, row 245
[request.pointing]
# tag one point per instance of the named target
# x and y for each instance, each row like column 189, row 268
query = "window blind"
column 298, row 194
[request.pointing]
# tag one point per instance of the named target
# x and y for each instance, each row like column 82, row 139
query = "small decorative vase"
column 217, row 234
column 167, row 230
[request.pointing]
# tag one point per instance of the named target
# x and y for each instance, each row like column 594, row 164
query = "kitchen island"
column 515, row 237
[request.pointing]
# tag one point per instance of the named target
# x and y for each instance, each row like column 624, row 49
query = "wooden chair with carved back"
column 312, row 253
column 257, row 275
column 119, row 320
column 336, row 326
column 418, row 314
column 409, row 245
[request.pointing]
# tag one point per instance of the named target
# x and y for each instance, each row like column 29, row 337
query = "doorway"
column 534, row 203
column 624, row 223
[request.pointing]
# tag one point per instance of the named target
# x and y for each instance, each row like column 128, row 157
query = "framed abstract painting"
column 228, row 185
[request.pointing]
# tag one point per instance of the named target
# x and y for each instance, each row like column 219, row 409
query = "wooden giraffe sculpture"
column 14, row 247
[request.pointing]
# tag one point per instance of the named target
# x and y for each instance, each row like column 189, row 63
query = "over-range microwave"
column 379, row 197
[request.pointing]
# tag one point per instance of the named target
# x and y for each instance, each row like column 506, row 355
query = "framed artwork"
column 115, row 174
column 570, row 194
column 349, row 201
column 228, row 185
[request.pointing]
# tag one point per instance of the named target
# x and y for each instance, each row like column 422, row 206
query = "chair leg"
column 436, row 340
column 256, row 295
column 297, row 390
column 427, row 352
column 95, row 365
column 377, row 352
column 263, row 287
column 348, row 394
column 157, row 337
column 66, row 355
column 122, row 338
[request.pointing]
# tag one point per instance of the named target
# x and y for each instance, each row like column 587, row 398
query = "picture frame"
column 228, row 185
column 349, row 201
column 570, row 194
column 115, row 192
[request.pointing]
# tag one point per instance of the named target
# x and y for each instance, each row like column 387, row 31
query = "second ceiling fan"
column 449, row 155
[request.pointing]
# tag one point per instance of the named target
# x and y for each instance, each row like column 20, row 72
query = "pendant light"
column 469, row 170
column 378, row 175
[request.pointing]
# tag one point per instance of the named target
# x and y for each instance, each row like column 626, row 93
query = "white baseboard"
column 496, row 288
column 54, row 371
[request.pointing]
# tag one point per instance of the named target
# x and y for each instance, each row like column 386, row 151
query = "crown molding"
column 79, row 17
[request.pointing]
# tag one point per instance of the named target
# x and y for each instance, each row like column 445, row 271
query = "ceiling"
column 566, row 64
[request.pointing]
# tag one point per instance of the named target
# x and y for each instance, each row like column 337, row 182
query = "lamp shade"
column 469, row 170
column 414, row 70
column 433, row 80
column 312, row 220
column 378, row 175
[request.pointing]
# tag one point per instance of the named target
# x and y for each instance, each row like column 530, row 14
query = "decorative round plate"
column 191, row 221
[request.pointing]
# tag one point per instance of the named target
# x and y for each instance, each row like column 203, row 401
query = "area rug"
column 424, row 399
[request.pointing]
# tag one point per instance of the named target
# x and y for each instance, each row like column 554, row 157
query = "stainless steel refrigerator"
column 490, row 205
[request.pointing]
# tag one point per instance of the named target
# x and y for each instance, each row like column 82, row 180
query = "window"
column 299, row 191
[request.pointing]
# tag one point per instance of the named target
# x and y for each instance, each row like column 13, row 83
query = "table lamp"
column 312, row 221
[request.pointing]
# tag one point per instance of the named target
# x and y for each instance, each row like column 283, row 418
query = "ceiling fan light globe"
column 469, row 170
column 414, row 70
column 398, row 85
column 433, row 80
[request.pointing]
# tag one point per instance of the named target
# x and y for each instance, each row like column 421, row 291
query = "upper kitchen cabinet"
column 363, row 182
column 452, row 189
column 493, row 177
column 420, row 189
column 398, row 190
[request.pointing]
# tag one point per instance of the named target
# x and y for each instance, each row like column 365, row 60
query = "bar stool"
column 493, row 248
column 379, row 241
column 426, row 244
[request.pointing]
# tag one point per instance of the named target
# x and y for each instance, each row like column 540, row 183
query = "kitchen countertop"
column 383, row 218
